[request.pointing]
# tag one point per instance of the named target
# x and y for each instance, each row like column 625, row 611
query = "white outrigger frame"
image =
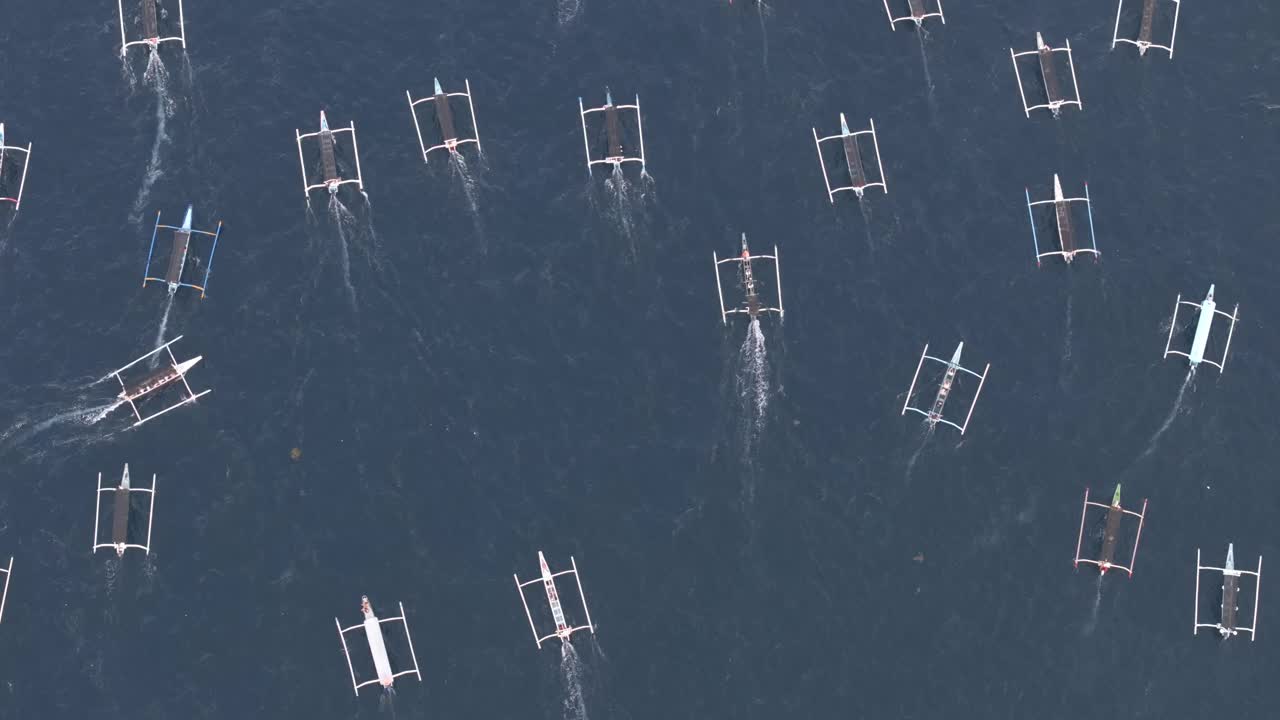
column 377, row 648
column 26, row 161
column 154, row 42
column 745, row 259
column 97, row 509
column 841, row 136
column 1053, row 105
column 615, row 160
column 547, row 578
column 333, row 185
column 1207, row 308
column 1058, row 199
column 1104, row 565
column 1230, row 570
column 180, row 368
column 1148, row 9
column 934, row 415
column 449, row 144
column 917, row 19
column 4, row 595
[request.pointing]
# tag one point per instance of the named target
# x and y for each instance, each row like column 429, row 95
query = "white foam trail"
column 618, row 188
column 1093, row 614
column 568, row 11
column 1177, row 406
column 911, row 464
column 164, row 323
column 761, row 9
column 575, row 706
column 157, row 76
column 81, row 415
column 924, row 57
column 112, row 571
column 753, row 376
column 459, row 166
column 342, row 218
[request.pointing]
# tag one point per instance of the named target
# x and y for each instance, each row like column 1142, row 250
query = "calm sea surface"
column 476, row 366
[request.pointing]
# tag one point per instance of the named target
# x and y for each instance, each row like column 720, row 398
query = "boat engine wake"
column 752, row 383
column 155, row 76
column 575, row 706
column 343, row 220
column 1177, row 407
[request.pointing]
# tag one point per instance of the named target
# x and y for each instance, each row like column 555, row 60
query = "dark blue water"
column 538, row 365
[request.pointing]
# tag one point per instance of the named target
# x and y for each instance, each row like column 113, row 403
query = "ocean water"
column 476, row 364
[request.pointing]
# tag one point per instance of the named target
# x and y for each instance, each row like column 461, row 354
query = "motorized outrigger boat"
column 120, row 516
column 1111, row 533
column 372, row 626
column 563, row 629
column 449, row 139
column 178, row 255
column 933, row 416
column 149, row 15
column 615, row 151
column 326, row 139
column 1228, row 624
column 174, row 372
column 752, row 305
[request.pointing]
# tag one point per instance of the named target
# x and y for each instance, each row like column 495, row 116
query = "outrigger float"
column 858, row 182
column 178, row 256
column 449, row 139
column 1208, row 308
column 150, row 27
column 1066, row 236
column 1143, row 42
column 934, row 415
column 1227, row 624
column 547, row 578
column 120, row 515
column 1049, row 74
column 918, row 13
column 616, row 153
column 1110, row 535
column 751, row 304
column 132, row 392
column 327, row 140
column 5, row 150
column 377, row 648
column 4, row 595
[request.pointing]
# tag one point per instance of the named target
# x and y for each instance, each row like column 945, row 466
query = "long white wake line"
column 575, row 706
column 1093, row 614
column 459, row 166
column 1177, row 406
column 342, row 218
column 753, row 375
column 619, row 191
column 157, row 76
column 568, row 11
column 164, row 323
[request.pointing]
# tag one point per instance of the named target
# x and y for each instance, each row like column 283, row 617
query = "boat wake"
column 575, row 705
column 567, row 11
column 1092, row 624
column 752, row 382
column 164, row 323
column 1177, row 407
column 343, row 220
column 155, row 76
column 924, row 442
column 80, row 417
column 621, row 208
column 470, row 188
